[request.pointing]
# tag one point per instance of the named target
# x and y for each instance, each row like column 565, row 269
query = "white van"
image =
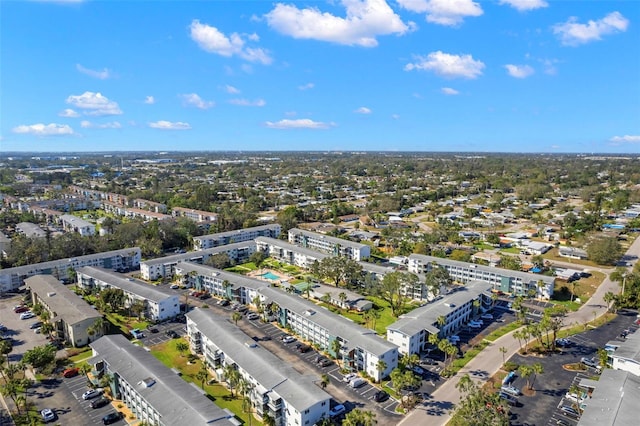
column 356, row 383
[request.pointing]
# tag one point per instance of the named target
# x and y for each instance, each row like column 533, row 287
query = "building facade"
column 204, row 242
column 71, row 223
column 330, row 245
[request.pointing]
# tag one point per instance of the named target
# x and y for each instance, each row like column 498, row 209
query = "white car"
column 47, row 415
column 27, row 315
column 91, row 393
column 487, row 316
column 253, row 316
column 349, row 377
column 288, row 339
column 174, row 286
column 573, row 397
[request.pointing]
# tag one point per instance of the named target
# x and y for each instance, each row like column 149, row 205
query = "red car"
column 20, row 309
column 70, row 372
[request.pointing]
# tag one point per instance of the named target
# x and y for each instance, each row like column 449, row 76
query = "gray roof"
column 292, row 247
column 67, row 305
column 340, row 241
column 524, row 276
column 75, row 220
column 129, row 285
column 30, row 229
column 425, row 317
column 267, row 369
column 177, row 402
column 354, row 334
column 270, row 227
column 236, row 279
column 192, row 255
column 614, row 401
column 629, row 349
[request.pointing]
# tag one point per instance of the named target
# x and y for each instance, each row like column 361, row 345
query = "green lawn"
column 171, row 357
column 495, row 334
column 381, row 323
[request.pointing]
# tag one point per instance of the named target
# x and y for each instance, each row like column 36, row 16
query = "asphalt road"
column 439, row 409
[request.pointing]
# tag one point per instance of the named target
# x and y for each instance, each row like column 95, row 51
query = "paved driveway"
column 22, row 337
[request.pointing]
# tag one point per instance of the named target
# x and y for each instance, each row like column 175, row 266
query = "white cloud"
column 519, row 71
column 625, row 139
column 301, row 123
column 364, row 21
column 39, row 129
column 448, row 65
column 246, row 102
column 149, row 100
column 306, row 86
column 363, row 110
column 444, row 12
column 101, row 75
column 231, row 90
column 212, row 40
column 549, row 66
column 395, row 116
column 85, row 124
column 192, row 99
column 69, row 113
column 571, row 33
column 168, row 125
column 94, row 104
column 449, row 91
column 524, row 5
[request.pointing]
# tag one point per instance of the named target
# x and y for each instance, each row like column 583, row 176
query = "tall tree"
column 392, row 290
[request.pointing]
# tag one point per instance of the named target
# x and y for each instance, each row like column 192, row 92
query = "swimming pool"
column 270, row 276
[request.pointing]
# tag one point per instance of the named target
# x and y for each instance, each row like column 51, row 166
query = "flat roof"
column 238, row 231
column 185, row 257
column 130, row 285
column 614, row 401
column 424, row 317
column 630, row 348
column 339, row 241
column 177, row 402
column 75, row 220
column 65, row 303
column 268, row 370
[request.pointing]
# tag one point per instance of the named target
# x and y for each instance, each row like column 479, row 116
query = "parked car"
column 91, row 393
column 487, row 316
column 349, row 377
column 337, row 410
column 70, row 372
column 172, row 334
column 357, row 382
column 570, row 412
column 37, row 330
column 380, row 396
column 474, row 325
column 511, row 400
column 574, row 397
column 564, row 343
column 325, row 362
column 174, row 286
column 303, row 349
column 137, row 333
column 510, row 390
column 223, row 302
column 27, row 315
column 35, row 325
column 48, row 415
column 253, row 316
column 152, row 329
column 428, row 361
column 418, row 370
column 111, row 418
column 100, row 402
column 20, row 309
column 288, row 339
column 590, row 362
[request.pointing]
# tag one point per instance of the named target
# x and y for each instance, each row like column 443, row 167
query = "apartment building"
column 275, row 388
column 442, row 316
column 327, row 244
column 508, row 281
column 360, row 348
column 247, row 234
column 614, row 399
column 159, row 304
column 30, row 230
column 627, row 355
column 154, row 393
column 71, row 223
column 164, row 267
column 153, row 206
column 125, row 259
column 195, row 215
column 72, row 318
column 133, row 212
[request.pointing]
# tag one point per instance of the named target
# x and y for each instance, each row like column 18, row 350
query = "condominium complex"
column 275, row 389
column 195, row 215
column 159, row 304
column 247, row 234
column 442, row 316
column 330, row 245
column 154, row 393
column 508, row 281
column 73, row 320
column 63, row 269
column 162, row 267
column 73, row 223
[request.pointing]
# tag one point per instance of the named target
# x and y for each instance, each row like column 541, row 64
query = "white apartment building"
column 154, row 393
column 71, row 223
column 360, row 348
column 125, row 259
column 330, row 245
column 275, row 388
column 194, row 215
column 411, row 332
column 162, row 267
column 159, row 304
column 508, row 281
column 72, row 318
column 204, row 242
column 627, row 356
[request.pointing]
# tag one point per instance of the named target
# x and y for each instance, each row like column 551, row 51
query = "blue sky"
column 364, row 75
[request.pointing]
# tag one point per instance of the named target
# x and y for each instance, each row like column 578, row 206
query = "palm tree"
column 182, row 347
column 231, row 376
column 268, row 420
column 227, row 287
column 335, row 347
column 608, row 298
column 503, row 351
column 343, row 297
column 324, row 381
column 410, row 360
column 518, row 335
column 235, row 317
column 526, row 371
column 381, row 366
column 536, row 369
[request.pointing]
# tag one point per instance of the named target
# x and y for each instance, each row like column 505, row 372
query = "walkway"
column 437, row 411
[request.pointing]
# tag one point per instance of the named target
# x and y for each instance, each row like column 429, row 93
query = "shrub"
column 510, row 366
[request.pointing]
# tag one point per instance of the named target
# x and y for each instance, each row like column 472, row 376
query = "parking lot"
column 544, row 407
column 21, row 336
column 76, row 386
